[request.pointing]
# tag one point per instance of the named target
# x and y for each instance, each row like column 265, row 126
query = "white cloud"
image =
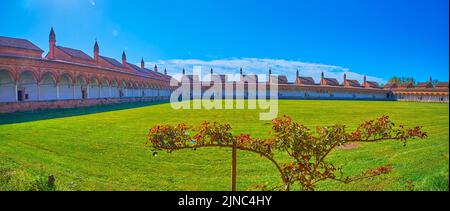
column 261, row 66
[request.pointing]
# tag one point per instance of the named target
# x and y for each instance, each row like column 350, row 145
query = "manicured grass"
column 105, row 151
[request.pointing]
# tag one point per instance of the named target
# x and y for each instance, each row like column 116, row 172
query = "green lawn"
column 86, row 150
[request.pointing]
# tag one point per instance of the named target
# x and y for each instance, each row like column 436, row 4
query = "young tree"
column 308, row 150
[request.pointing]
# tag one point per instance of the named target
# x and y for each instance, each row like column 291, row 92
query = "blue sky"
column 380, row 38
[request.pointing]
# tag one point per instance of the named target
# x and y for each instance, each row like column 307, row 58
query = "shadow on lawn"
column 21, row 117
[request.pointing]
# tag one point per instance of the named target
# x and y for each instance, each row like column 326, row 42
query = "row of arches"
column 26, row 87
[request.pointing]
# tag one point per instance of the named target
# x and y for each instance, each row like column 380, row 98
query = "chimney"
column 431, row 79
column 96, row 51
column 184, row 71
column 240, row 71
column 270, row 74
column 322, row 81
column 124, row 58
column 165, row 71
column 52, row 44
column 345, row 79
column 297, row 77
column 156, row 68
column 365, row 81
column 212, row 71
column 142, row 63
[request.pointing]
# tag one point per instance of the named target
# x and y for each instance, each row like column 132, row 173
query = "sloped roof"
column 18, row 43
column 353, row 83
column 74, row 53
column 112, row 61
column 331, row 81
column 157, row 75
column 135, row 67
column 442, row 85
column 407, row 85
column 425, row 85
column 282, row 79
column 372, row 84
column 250, row 78
column 307, row 80
column 390, row 85
column 167, row 77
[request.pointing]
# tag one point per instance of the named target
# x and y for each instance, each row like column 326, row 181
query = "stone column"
column 38, row 90
column 57, row 91
column 109, row 90
column 73, row 91
column 15, row 91
column 87, row 92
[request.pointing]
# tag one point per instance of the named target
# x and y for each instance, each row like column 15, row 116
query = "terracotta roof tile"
column 391, row 86
column 75, row 53
column 425, row 85
column 136, row 68
column 442, row 84
column 372, row 84
column 353, row 83
column 407, row 85
column 306, row 80
column 282, row 79
column 18, row 43
column 331, row 81
column 112, row 61
column 250, row 78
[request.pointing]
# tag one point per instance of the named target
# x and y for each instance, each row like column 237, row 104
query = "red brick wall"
column 44, row 105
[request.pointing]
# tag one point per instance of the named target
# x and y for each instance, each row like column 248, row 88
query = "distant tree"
column 308, row 151
column 435, row 82
column 408, row 80
column 394, row 80
column 402, row 80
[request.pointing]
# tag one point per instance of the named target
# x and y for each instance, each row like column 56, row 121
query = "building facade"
column 422, row 92
column 302, row 88
column 67, row 77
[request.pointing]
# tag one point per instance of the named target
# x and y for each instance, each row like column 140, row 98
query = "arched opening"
column 129, row 89
column 47, row 88
column 123, row 89
column 114, row 89
column 7, row 87
column 143, row 90
column 136, row 90
column 27, row 89
column 94, row 89
column 104, row 88
column 163, row 92
column 147, row 90
column 65, row 88
column 152, row 90
column 81, row 88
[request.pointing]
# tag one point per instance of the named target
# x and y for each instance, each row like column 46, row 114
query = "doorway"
column 84, row 94
column 20, row 96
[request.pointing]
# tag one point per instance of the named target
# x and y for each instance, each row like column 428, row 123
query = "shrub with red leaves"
column 308, row 150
